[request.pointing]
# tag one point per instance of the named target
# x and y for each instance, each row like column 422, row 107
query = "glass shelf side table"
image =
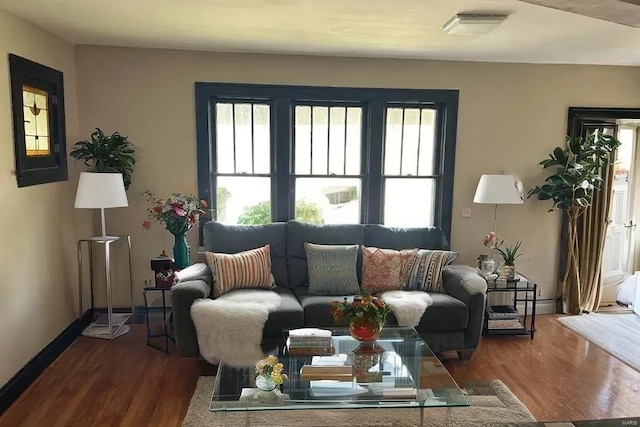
column 167, row 317
column 511, row 319
column 115, row 327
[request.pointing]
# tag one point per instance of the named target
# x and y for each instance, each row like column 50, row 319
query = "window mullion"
column 372, row 154
column 281, row 139
column 233, row 137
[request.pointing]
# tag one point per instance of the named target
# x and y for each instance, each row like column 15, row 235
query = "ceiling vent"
column 473, row 23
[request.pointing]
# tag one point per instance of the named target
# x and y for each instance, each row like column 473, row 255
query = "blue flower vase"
column 180, row 251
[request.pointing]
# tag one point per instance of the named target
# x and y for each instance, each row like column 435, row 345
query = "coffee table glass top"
column 399, row 371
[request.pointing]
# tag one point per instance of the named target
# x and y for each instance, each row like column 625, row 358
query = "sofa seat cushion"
column 316, row 307
column 289, row 315
column 446, row 314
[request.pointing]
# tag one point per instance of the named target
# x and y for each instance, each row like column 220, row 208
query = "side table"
column 167, row 318
column 524, row 290
column 118, row 327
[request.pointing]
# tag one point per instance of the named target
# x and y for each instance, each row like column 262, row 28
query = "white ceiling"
column 363, row 28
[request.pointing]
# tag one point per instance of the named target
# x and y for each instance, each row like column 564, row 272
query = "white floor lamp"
column 499, row 190
column 101, row 191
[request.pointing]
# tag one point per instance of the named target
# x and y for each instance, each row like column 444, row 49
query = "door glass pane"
column 409, row 202
column 243, row 200
column 328, row 200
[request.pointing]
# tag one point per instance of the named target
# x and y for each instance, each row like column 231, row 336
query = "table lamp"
column 499, row 190
column 100, row 191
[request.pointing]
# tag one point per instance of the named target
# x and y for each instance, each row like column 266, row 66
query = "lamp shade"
column 499, row 190
column 100, row 190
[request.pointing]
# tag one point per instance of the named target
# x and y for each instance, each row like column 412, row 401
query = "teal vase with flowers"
column 179, row 212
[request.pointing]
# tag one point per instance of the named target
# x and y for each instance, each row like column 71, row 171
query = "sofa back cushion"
column 231, row 239
column 299, row 233
column 380, row 236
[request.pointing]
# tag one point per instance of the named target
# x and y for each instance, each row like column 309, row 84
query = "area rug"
column 492, row 404
column 617, row 334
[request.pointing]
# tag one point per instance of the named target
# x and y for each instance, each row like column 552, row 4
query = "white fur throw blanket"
column 230, row 327
column 407, row 306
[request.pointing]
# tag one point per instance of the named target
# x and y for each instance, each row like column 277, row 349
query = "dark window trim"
column 51, row 168
column 373, row 100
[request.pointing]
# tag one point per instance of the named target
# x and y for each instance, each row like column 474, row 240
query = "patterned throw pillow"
column 332, row 269
column 249, row 269
column 385, row 269
column 425, row 270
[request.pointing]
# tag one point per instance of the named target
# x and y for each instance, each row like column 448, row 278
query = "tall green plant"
column 577, row 176
column 103, row 153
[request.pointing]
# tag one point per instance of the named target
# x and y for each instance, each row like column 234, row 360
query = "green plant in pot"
column 104, row 153
column 576, row 177
column 510, row 254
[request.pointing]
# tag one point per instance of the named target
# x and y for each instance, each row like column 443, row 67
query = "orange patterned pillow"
column 385, row 269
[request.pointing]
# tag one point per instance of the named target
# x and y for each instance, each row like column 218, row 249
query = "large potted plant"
column 104, row 153
column 577, row 176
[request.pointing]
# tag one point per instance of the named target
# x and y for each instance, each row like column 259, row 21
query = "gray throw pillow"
column 332, row 269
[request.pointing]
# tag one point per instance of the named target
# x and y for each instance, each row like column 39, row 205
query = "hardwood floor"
column 559, row 376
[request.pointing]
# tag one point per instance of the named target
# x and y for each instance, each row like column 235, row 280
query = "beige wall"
column 39, row 225
column 511, row 116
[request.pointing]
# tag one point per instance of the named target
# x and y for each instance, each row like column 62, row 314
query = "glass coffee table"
column 400, row 371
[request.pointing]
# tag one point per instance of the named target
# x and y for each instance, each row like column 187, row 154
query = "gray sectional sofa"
column 453, row 322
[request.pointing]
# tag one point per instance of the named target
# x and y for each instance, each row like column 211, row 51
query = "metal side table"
column 114, row 329
column 167, row 318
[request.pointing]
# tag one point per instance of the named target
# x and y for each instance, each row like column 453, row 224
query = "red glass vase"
column 365, row 329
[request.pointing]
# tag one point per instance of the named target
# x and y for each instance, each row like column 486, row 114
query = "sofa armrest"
column 183, row 294
column 463, row 283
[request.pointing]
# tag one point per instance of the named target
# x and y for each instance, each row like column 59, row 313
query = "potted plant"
column 576, row 177
column 103, row 153
column 365, row 314
column 179, row 212
column 509, row 254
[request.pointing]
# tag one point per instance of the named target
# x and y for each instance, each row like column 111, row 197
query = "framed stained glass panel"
column 37, row 95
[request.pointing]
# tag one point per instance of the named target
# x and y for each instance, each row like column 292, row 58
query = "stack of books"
column 503, row 317
column 310, row 341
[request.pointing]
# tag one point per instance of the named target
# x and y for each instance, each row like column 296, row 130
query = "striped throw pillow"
column 425, row 270
column 249, row 269
column 385, row 269
column 332, row 269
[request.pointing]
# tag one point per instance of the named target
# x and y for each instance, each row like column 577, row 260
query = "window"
column 326, row 155
column 38, row 122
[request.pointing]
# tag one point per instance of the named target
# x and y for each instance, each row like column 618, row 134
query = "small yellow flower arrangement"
column 270, row 367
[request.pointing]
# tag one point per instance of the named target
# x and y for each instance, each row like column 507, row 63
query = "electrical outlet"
column 466, row 212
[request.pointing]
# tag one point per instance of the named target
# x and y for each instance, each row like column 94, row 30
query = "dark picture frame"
column 34, row 166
